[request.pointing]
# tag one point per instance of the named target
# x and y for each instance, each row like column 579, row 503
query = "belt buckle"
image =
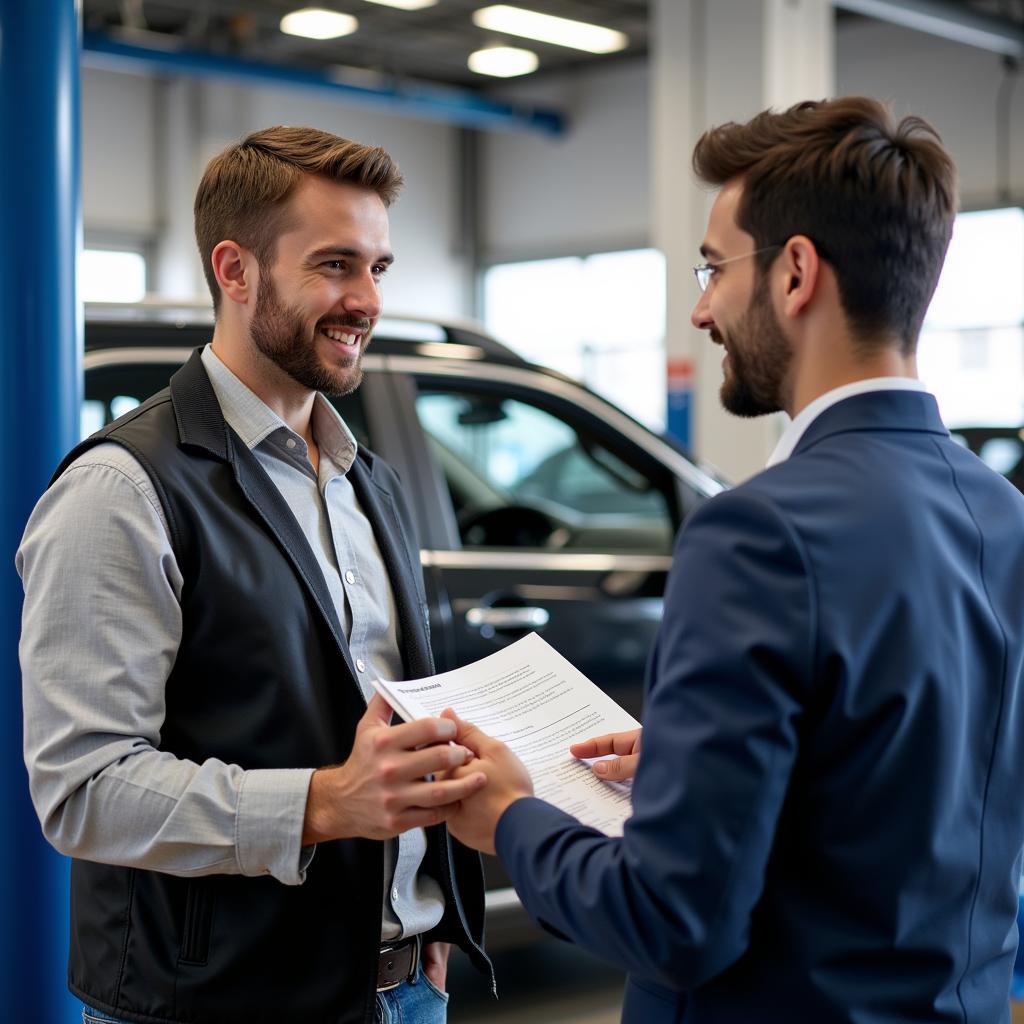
column 414, row 946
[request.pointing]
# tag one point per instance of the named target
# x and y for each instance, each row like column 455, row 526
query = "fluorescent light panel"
column 546, row 28
column 318, row 23
column 404, row 5
column 503, row 61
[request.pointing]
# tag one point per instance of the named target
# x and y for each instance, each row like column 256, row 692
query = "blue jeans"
column 91, row 1016
column 413, row 1002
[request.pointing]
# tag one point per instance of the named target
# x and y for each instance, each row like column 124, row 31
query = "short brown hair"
column 876, row 197
column 244, row 189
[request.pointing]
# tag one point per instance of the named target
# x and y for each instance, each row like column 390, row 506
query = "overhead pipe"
column 461, row 107
column 946, row 19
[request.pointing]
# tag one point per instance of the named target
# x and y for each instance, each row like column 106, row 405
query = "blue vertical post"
column 679, row 379
column 40, row 396
column 1017, row 983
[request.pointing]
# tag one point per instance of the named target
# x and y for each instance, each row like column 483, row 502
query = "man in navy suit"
column 827, row 813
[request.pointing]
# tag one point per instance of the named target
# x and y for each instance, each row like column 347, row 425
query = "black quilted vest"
column 263, row 679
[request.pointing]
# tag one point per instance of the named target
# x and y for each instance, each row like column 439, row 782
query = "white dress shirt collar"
column 253, row 420
column 796, row 429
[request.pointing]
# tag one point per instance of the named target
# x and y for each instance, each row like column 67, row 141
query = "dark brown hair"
column 244, row 190
column 876, row 197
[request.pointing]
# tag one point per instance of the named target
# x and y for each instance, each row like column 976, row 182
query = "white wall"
column 950, row 85
column 134, row 169
column 119, row 174
column 583, row 192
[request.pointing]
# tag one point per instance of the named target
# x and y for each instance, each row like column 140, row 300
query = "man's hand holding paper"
column 528, row 697
column 474, row 823
column 475, row 820
column 382, row 789
column 614, row 756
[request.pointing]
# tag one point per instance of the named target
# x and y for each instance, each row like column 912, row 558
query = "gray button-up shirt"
column 101, row 627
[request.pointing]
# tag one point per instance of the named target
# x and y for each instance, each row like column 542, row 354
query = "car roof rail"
column 191, row 316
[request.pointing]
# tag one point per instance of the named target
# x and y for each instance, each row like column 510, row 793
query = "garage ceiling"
column 431, row 44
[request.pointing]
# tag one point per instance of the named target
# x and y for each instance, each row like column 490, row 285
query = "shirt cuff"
column 268, row 824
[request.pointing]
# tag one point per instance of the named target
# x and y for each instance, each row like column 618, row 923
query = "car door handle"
column 508, row 618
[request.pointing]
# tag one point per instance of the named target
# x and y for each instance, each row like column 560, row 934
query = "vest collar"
column 201, row 425
column 196, row 410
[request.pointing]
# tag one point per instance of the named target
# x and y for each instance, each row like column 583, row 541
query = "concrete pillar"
column 178, row 268
column 41, row 382
column 713, row 62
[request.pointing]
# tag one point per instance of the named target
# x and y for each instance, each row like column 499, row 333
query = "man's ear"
column 235, row 270
column 800, row 268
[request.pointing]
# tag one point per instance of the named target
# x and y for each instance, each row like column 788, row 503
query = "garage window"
column 971, row 351
column 112, row 275
column 557, row 313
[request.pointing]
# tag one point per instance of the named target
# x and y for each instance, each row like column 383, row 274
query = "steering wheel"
column 512, row 526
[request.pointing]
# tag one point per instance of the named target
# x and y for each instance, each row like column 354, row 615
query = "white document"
column 529, row 697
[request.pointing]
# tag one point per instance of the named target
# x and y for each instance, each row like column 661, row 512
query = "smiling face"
column 316, row 307
column 736, row 311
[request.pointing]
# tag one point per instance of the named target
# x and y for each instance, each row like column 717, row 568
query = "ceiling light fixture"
column 404, row 5
column 318, row 23
column 546, row 28
column 503, row 61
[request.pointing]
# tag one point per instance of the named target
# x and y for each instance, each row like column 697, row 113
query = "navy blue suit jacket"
column 828, row 813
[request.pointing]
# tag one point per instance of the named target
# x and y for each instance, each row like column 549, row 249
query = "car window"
column 522, row 476
column 111, row 391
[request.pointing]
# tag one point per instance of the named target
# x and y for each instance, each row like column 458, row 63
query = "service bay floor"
column 548, row 982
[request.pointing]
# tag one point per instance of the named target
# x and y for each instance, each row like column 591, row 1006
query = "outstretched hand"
column 385, row 787
column 475, row 820
column 624, row 748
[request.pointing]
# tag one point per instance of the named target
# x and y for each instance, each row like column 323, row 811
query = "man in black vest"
column 210, row 583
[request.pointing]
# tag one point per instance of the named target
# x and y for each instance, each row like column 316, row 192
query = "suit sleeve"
column 671, row 900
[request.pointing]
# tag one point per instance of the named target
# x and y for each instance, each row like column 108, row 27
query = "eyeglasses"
column 706, row 271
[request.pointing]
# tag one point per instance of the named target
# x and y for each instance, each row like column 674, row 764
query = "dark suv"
column 540, row 506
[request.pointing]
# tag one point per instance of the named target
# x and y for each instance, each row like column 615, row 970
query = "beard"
column 759, row 359
column 279, row 333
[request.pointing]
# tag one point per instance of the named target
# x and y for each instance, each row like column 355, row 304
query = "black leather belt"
column 397, row 963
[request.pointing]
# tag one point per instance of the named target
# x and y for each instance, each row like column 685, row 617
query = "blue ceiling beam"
column 461, row 107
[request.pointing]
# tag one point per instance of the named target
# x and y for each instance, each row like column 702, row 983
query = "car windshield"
column 497, row 451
